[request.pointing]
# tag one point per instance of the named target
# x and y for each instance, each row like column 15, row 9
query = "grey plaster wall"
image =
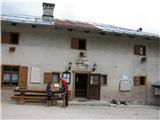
column 50, row 49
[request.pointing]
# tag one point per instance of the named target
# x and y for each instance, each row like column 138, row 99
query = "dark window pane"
column 142, row 80
column 14, row 38
column 15, row 68
column 82, row 44
column 7, row 68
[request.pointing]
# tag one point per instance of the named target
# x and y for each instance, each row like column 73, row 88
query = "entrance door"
column 81, row 85
column 93, row 91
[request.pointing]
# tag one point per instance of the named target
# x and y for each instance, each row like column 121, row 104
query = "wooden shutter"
column 6, row 37
column 136, row 50
column 136, row 80
column 47, row 77
column 23, row 77
column 75, row 43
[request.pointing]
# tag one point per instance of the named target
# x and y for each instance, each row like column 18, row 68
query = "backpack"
column 62, row 90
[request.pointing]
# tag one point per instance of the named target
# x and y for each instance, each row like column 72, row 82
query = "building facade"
column 96, row 64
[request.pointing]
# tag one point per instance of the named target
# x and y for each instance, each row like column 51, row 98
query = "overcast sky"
column 130, row 14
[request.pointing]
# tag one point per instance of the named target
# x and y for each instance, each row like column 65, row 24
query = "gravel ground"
column 41, row 111
column 12, row 110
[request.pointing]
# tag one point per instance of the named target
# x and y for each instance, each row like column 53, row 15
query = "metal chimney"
column 48, row 12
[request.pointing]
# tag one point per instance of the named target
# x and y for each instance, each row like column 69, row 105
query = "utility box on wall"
column 156, row 86
column 157, row 91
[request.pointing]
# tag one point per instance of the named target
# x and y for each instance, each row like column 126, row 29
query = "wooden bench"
column 30, row 95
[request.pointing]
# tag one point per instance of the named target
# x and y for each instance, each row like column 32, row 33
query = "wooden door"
column 23, row 77
column 93, row 91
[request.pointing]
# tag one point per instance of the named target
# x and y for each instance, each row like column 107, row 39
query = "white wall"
column 51, row 50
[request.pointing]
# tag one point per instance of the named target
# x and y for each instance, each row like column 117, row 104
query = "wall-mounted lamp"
column 69, row 66
column 12, row 49
column 94, row 67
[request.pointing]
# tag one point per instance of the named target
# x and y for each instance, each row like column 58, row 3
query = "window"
column 142, row 80
column 10, row 75
column 55, row 77
column 82, row 44
column 103, row 79
column 139, row 80
column 10, row 37
column 67, row 76
column 140, row 50
column 94, row 80
column 78, row 43
column 14, row 38
column 48, row 76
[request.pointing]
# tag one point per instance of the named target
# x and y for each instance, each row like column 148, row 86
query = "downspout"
column 145, row 96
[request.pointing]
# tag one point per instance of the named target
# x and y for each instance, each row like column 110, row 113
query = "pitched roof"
column 75, row 25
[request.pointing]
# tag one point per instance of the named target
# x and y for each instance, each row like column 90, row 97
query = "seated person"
column 50, row 92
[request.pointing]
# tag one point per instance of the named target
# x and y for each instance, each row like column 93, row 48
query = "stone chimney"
column 48, row 12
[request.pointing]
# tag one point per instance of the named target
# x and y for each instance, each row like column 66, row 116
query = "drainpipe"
column 145, row 96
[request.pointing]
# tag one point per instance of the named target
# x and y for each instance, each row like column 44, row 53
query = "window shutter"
column 136, row 50
column 74, row 43
column 6, row 37
column 136, row 80
column 23, row 77
column 47, row 77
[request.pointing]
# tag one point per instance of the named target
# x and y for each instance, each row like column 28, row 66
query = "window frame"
column 8, row 37
column 11, row 72
column 12, row 37
column 75, row 43
column 138, row 48
column 68, row 76
column 103, row 83
column 138, row 80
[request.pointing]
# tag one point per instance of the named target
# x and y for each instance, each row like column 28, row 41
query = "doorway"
column 81, row 85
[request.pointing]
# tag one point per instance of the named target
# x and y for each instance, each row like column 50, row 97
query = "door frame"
column 74, row 78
